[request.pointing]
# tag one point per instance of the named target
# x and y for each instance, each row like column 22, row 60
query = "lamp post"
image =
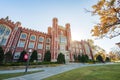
column 27, row 64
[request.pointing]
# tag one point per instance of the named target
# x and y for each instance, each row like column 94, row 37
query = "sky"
column 38, row 15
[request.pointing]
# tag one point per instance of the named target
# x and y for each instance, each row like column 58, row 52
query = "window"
column 4, row 34
column 39, row 56
column 17, row 55
column 40, row 46
column 31, row 45
column 48, row 40
column 32, row 37
column 41, row 39
column 23, row 36
column 21, row 44
column 62, row 47
column 47, row 47
column 62, row 40
column 2, row 29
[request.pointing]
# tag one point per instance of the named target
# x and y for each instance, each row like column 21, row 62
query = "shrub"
column 21, row 58
column 47, row 56
column 8, row 56
column 34, row 56
column 61, row 58
column 107, row 59
column 99, row 58
column 1, row 55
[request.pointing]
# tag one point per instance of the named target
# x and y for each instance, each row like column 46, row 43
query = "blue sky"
column 38, row 15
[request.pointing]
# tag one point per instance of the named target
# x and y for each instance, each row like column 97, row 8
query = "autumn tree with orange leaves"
column 109, row 13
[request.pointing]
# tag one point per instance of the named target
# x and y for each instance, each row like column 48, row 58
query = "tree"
column 99, row 58
column 1, row 55
column 107, row 59
column 8, row 56
column 79, row 58
column 21, row 58
column 34, row 56
column 109, row 13
column 47, row 56
column 61, row 58
column 75, row 57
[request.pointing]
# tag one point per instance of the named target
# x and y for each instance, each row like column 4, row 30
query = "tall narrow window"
column 4, row 34
column 33, row 37
column 21, row 43
column 41, row 39
column 23, row 36
column 31, row 45
column 40, row 46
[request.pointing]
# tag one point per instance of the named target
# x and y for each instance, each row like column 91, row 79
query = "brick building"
column 58, row 39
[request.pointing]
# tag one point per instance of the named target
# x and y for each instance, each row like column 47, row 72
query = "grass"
column 106, row 72
column 10, row 75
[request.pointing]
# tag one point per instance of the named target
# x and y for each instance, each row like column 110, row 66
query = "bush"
column 21, row 58
column 75, row 58
column 8, row 56
column 1, row 55
column 34, row 56
column 99, row 59
column 107, row 59
column 47, row 56
column 61, row 58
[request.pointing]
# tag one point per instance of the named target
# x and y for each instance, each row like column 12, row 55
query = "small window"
column 17, row 55
column 48, row 40
column 32, row 37
column 47, row 47
column 23, row 36
column 21, row 44
column 31, row 45
column 3, row 42
column 41, row 39
column 40, row 46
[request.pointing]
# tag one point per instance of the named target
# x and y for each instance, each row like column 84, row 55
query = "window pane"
column 7, row 32
column 48, row 40
column 32, row 37
column 41, row 39
column 23, row 36
column 21, row 44
column 2, row 29
column 31, row 45
column 40, row 46
column 48, row 47
column 3, row 42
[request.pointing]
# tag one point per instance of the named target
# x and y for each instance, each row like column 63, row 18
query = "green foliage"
column 75, row 58
column 99, row 58
column 79, row 58
column 34, row 56
column 21, row 58
column 61, row 58
column 47, row 56
column 1, row 55
column 84, row 58
column 8, row 56
column 107, row 59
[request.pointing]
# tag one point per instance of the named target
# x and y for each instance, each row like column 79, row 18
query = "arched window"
column 41, row 39
column 23, row 36
column 4, row 34
column 33, row 37
column 48, row 40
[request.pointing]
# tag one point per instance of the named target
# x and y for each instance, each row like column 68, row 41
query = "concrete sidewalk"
column 49, row 71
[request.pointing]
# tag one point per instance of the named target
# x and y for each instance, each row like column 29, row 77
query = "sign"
column 26, row 56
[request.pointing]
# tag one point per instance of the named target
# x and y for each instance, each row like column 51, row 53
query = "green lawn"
column 106, row 72
column 10, row 75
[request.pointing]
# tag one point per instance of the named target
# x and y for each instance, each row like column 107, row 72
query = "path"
column 48, row 71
